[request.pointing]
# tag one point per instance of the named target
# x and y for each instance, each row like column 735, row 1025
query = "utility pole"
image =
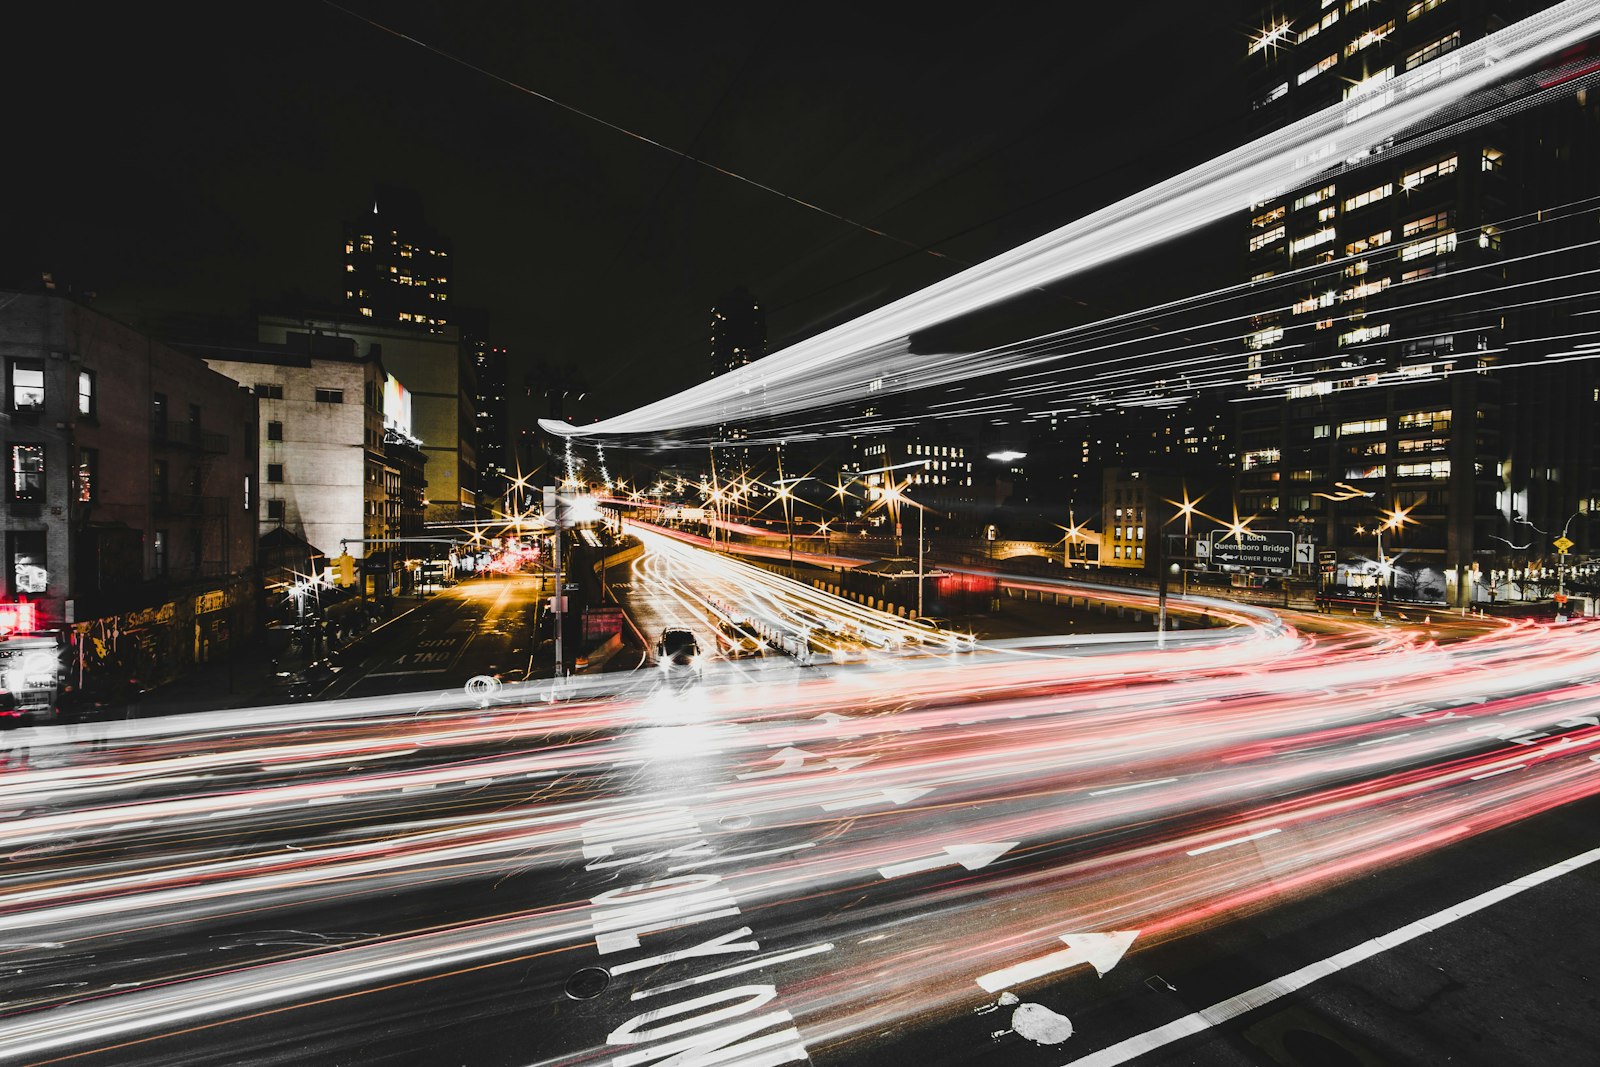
column 783, row 494
column 919, row 561
column 560, row 603
column 1161, row 579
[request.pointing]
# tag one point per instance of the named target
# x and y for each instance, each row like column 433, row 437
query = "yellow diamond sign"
column 1564, row 545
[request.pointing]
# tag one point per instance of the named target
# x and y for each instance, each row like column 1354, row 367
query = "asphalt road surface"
column 1252, row 846
column 484, row 626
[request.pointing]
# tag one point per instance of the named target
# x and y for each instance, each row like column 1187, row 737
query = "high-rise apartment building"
column 738, row 332
column 397, row 268
column 491, row 407
column 738, row 338
column 1409, row 343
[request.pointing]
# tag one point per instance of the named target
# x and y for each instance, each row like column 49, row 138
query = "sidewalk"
column 270, row 669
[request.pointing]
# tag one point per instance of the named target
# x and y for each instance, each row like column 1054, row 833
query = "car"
column 940, row 632
column 743, row 638
column 678, row 647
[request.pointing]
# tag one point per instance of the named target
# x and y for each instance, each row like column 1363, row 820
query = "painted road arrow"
column 972, row 857
column 793, row 759
column 1100, row 951
column 833, row 718
column 882, row 796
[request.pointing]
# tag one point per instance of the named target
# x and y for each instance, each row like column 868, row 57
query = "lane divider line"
column 1223, row 1010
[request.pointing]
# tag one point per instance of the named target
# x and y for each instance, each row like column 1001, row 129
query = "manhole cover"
column 734, row 822
column 588, row 983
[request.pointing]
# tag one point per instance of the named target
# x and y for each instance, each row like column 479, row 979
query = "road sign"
column 1564, row 544
column 1270, row 550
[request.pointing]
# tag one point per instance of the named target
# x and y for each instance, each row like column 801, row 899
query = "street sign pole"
column 1562, row 545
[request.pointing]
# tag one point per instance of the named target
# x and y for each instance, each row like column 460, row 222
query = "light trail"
column 1466, row 86
column 1162, row 791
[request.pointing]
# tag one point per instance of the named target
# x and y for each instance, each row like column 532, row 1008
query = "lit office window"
column 1448, row 43
column 1371, row 196
column 1413, row 178
column 1316, row 68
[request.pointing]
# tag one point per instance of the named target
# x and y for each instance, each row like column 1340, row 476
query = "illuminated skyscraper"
column 397, row 269
column 738, row 338
column 1406, row 321
column 738, row 332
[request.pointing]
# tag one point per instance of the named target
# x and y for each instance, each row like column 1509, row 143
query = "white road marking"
column 882, row 796
column 1135, row 785
column 738, row 968
column 1100, row 951
column 1203, row 849
column 740, row 856
column 1223, row 1010
column 1502, row 770
column 1381, row 740
column 972, row 857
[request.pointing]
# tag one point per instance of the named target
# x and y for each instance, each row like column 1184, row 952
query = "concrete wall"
column 435, row 370
column 328, row 488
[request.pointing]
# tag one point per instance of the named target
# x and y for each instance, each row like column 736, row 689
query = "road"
column 1255, row 845
column 484, row 626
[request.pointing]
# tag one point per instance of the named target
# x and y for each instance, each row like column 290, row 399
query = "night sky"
column 185, row 157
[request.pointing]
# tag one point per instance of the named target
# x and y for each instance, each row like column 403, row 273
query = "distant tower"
column 397, row 269
column 738, row 332
column 738, row 338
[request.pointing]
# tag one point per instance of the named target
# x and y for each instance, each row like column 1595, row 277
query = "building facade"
column 321, row 438
column 930, row 466
column 439, row 378
column 397, row 268
column 491, row 410
column 1410, row 347
column 131, row 497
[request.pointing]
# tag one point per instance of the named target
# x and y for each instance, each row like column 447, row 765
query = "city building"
column 1135, row 505
column 738, row 338
column 322, row 439
column 130, row 505
column 1409, row 344
column 439, row 377
column 397, row 268
column 405, row 500
column 491, row 410
column 738, row 332
column 929, row 465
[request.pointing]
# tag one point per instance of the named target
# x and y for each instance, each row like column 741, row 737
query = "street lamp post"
column 919, row 559
column 894, row 495
column 1377, row 600
column 1394, row 519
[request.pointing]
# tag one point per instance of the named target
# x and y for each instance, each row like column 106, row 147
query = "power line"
column 735, row 175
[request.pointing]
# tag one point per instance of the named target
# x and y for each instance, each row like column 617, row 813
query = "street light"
column 1394, row 519
column 1187, row 510
column 894, row 496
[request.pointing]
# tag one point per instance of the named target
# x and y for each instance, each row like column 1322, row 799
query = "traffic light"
column 344, row 570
